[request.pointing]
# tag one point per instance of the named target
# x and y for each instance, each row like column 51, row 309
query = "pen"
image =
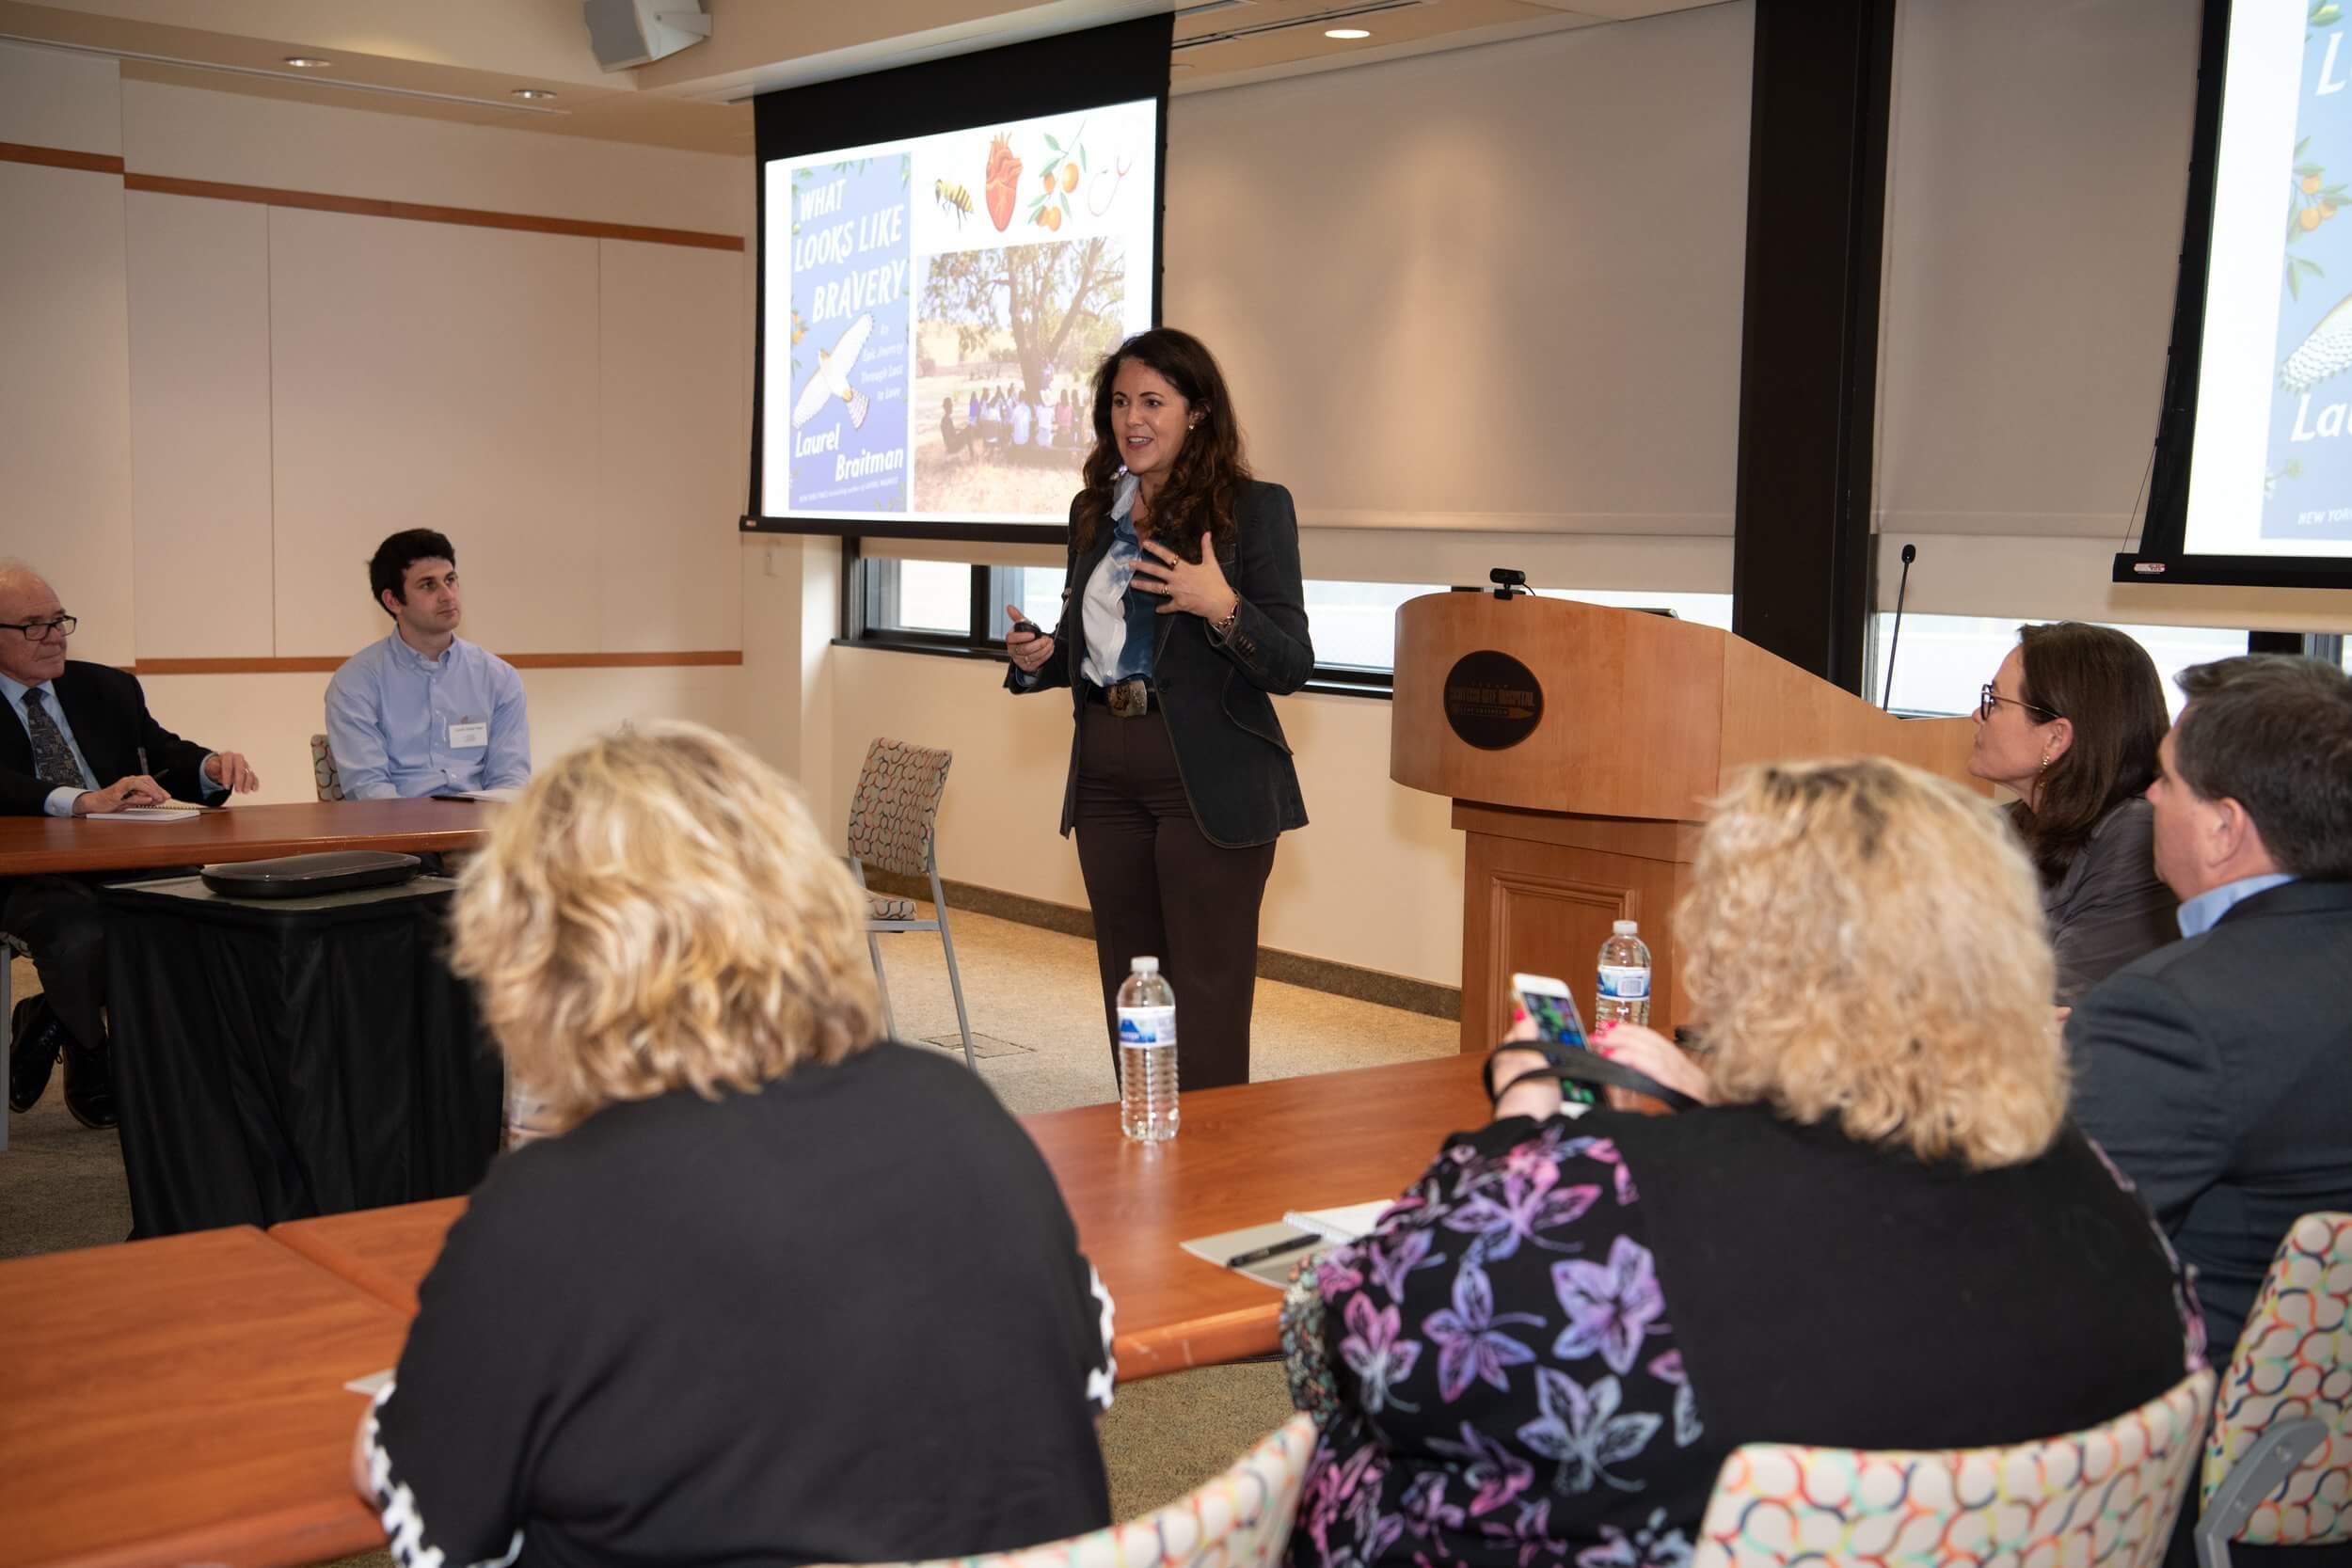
column 1259, row 1255
column 143, row 762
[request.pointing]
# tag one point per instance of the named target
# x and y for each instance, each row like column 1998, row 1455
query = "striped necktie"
column 53, row 759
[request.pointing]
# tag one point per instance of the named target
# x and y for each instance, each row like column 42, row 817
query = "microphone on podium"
column 1895, row 637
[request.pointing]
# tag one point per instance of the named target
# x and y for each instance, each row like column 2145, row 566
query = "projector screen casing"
column 1122, row 63
column 2163, row 556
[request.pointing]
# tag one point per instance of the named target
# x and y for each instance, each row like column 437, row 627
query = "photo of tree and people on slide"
column 1004, row 339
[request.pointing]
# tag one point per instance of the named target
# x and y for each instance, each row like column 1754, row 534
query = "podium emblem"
column 1492, row 699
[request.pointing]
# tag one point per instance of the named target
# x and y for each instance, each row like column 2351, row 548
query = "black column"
column 1808, row 349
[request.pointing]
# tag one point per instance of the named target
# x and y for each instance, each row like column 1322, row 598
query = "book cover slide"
column 2307, row 481
column 851, row 262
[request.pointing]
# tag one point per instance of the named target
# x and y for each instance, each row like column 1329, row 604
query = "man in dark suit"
column 67, row 729
column 2217, row 1072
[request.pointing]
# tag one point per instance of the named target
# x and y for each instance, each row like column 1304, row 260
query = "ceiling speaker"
column 632, row 32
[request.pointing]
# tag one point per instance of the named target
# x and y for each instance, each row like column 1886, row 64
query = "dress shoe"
column 34, row 1037
column 90, row 1087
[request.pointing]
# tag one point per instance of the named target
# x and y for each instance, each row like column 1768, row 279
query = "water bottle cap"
column 1147, row 964
column 1625, row 927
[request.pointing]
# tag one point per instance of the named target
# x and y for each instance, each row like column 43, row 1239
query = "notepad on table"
column 500, row 796
column 145, row 813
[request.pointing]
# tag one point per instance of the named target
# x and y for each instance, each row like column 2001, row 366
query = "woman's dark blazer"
column 1230, row 751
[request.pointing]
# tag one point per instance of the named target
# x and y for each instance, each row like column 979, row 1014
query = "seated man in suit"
column 2217, row 1072
column 77, row 741
column 424, row 712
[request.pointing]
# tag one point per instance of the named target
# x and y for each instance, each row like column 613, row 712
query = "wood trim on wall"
column 58, row 157
column 659, row 661
column 321, row 201
column 475, row 218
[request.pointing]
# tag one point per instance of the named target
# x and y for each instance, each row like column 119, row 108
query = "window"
column 947, row 607
column 1942, row 662
column 1708, row 609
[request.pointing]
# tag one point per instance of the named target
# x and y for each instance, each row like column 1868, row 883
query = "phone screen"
column 1555, row 1017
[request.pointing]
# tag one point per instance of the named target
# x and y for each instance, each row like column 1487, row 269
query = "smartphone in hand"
column 1548, row 1002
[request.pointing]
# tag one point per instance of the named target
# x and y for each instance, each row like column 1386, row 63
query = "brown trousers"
column 1157, row 885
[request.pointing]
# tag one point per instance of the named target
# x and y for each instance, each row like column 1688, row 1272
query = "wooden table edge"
column 1212, row 1341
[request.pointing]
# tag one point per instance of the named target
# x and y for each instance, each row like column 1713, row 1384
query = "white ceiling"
column 462, row 59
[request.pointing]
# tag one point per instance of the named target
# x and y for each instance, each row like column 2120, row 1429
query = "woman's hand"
column 1029, row 650
column 1195, row 588
column 1540, row 1099
column 1650, row 1053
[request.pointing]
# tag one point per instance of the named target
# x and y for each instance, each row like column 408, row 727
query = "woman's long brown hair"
column 1198, row 494
column 2106, row 683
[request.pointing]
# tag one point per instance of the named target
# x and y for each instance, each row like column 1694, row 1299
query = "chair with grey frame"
column 893, row 827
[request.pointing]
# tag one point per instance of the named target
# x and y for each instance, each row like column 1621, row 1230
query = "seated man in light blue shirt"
column 424, row 712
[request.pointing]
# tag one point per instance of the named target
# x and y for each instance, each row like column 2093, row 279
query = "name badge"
column 462, row 735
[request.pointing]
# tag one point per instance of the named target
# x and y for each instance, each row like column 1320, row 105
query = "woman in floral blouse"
column 1880, row 1231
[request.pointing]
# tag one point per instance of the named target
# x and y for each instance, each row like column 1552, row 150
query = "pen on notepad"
column 143, row 763
column 1259, row 1255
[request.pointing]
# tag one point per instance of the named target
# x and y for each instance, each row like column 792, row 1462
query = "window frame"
column 992, row 587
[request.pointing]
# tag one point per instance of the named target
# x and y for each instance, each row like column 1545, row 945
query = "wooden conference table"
column 1245, row 1155
column 38, row 845
column 182, row 1400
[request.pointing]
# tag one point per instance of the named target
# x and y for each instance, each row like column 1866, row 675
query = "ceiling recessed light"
column 534, row 94
column 1350, row 33
column 306, row 62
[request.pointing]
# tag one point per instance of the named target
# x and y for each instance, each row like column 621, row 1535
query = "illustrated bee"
column 950, row 195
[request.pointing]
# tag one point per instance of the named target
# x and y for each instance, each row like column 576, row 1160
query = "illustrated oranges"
column 1051, row 217
column 1069, row 176
column 2308, row 219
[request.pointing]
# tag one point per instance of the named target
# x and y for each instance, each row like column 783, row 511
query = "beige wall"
column 211, row 410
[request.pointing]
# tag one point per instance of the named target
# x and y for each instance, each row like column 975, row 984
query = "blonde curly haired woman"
column 1882, row 1233
column 782, row 1291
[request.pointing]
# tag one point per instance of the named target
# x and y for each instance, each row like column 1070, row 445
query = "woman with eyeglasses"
column 2070, row 724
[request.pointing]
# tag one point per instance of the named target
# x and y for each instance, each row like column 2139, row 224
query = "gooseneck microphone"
column 1895, row 638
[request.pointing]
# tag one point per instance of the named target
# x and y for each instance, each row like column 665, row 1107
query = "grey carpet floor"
column 1036, row 1015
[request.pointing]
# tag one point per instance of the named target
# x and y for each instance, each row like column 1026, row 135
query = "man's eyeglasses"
column 39, row 631
column 1988, row 699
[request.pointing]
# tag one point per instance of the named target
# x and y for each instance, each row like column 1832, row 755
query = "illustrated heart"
column 1004, row 182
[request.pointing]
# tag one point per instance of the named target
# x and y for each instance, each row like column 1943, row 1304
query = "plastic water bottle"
column 1623, row 994
column 1147, row 1054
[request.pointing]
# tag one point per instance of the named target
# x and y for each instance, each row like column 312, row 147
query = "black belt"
column 1127, row 699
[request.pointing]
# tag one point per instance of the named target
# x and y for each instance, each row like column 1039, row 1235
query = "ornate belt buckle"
column 1130, row 699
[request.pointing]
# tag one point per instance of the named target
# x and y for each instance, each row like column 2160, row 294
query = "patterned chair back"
column 323, row 769
column 2294, row 1362
column 1241, row 1519
column 896, row 806
column 2105, row 1496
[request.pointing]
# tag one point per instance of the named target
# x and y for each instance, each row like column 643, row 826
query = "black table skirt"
column 273, row 1063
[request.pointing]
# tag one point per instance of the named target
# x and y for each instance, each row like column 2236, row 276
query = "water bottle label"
column 1147, row 1026
column 1624, row 983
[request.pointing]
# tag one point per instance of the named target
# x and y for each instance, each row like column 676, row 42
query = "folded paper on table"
column 1274, row 1271
column 502, row 794
column 145, row 813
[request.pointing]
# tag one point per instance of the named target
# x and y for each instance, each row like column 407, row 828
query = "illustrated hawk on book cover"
column 832, row 379
column 2327, row 350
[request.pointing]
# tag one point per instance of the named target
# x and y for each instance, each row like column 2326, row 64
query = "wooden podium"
column 1579, row 745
